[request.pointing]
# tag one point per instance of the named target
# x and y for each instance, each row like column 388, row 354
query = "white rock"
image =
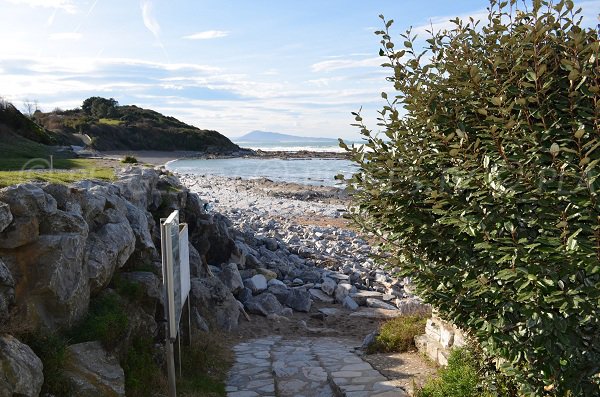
column 328, row 286
column 256, row 283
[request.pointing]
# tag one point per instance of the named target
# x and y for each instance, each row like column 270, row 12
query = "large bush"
column 484, row 186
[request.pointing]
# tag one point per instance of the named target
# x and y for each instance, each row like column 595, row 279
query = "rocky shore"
column 258, row 248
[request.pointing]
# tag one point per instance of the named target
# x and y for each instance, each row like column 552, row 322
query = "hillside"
column 114, row 127
column 265, row 136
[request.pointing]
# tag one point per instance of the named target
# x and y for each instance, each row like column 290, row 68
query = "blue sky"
column 233, row 66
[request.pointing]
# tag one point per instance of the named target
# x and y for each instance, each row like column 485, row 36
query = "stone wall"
column 439, row 339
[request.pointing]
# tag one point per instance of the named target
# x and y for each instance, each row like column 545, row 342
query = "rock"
column 20, row 369
column 361, row 296
column 413, row 306
column 7, row 292
column 140, row 222
column 271, row 244
column 214, row 300
column 257, row 283
column 342, row 291
column 328, row 286
column 287, row 312
column 230, row 276
column 269, row 274
column 274, row 281
column 349, row 303
column 92, row 372
column 281, row 292
column 329, row 311
column 108, row 249
column 5, row 216
column 52, row 287
column 299, row 300
column 369, row 340
column 374, row 313
column 151, row 287
column 320, row 296
column 263, row 304
column 376, row 303
column 244, row 295
column 199, row 321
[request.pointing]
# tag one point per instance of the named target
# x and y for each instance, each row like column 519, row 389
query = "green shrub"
column 398, row 335
column 459, row 379
column 106, row 321
column 484, row 187
column 50, row 347
column 129, row 160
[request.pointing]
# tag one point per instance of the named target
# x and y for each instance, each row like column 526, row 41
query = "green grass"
column 143, row 376
column 110, row 121
column 65, row 171
column 51, row 349
column 106, row 321
column 398, row 335
column 205, row 365
column 129, row 160
column 460, row 378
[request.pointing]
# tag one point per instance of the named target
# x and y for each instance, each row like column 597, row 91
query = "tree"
column 99, row 107
column 484, row 187
column 30, row 107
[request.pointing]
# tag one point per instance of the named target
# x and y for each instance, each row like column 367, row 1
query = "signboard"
column 176, row 269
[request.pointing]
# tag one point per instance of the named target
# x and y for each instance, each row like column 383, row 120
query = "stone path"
column 304, row 367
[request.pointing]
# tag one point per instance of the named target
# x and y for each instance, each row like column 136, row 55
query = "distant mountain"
column 264, row 136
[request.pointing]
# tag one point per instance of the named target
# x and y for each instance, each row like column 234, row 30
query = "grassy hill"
column 133, row 128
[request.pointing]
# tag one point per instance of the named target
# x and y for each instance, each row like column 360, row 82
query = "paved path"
column 304, row 367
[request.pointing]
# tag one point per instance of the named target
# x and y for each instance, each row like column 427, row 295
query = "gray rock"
column 274, row 281
column 328, row 286
column 263, row 304
column 281, row 292
column 342, row 291
column 5, row 216
column 7, row 292
column 244, row 295
column 151, row 287
column 413, row 306
column 20, row 369
column 230, row 276
column 257, row 283
column 108, row 249
column 299, row 300
column 92, row 372
column 199, row 321
column 320, row 296
column 271, row 244
column 369, row 340
column 378, row 304
column 140, row 222
column 349, row 303
column 214, row 301
column 361, row 297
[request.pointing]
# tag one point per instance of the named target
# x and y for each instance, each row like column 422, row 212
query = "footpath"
column 304, row 367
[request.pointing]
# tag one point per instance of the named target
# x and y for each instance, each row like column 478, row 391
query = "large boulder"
column 5, row 216
column 150, row 293
column 214, row 301
column 108, row 248
column 92, row 372
column 7, row 292
column 141, row 223
column 20, row 369
column 137, row 185
column 299, row 300
column 328, row 286
column 51, row 283
column 263, row 304
column 230, row 276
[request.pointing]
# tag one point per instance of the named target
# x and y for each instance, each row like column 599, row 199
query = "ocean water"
column 305, row 171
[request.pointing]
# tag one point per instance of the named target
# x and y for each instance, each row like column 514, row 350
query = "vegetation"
column 129, row 160
column 143, row 376
column 398, row 335
column 461, row 378
column 50, row 347
column 484, row 187
column 106, row 321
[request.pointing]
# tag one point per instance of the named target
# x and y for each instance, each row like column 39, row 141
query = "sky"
column 292, row 66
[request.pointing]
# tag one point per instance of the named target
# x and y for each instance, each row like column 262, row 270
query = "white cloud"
column 149, row 21
column 328, row 66
column 66, row 36
column 65, row 5
column 207, row 35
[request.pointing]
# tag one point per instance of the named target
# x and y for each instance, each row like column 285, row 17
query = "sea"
column 313, row 171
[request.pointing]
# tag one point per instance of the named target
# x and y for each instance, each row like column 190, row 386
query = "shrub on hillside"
column 485, row 186
column 398, row 335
